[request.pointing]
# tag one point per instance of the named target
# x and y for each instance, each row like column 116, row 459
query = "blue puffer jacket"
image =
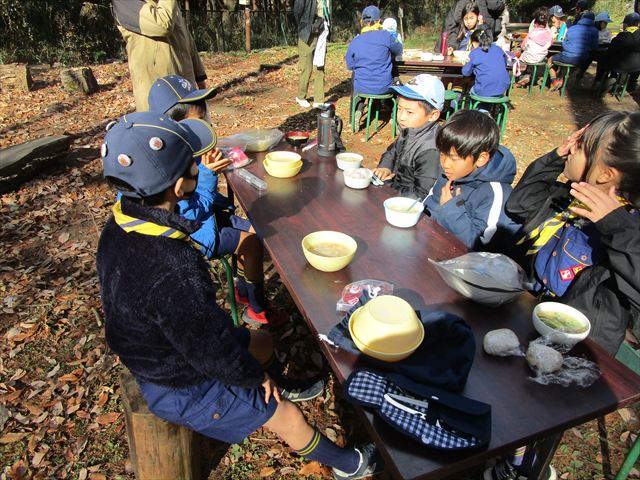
column 581, row 40
column 369, row 57
column 200, row 207
column 476, row 215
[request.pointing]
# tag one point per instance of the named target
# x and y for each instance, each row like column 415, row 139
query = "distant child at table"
column 474, row 182
column 411, row 162
column 580, row 242
column 369, row 56
column 622, row 55
column 488, row 64
column 577, row 48
column 161, row 318
column 221, row 232
column 535, row 45
column 602, row 22
column 469, row 21
column 558, row 23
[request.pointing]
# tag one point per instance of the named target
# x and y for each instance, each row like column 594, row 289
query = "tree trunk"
column 16, row 75
column 159, row 450
column 79, row 80
column 20, row 163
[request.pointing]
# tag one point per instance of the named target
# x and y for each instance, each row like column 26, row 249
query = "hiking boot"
column 303, row 102
column 302, row 395
column 240, row 300
column 556, row 84
column 270, row 316
column 371, row 463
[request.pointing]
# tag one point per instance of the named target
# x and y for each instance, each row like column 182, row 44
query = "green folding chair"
column 370, row 99
column 230, row 286
column 502, row 105
column 565, row 79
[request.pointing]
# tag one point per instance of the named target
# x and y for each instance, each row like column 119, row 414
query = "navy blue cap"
column 150, row 151
column 172, row 89
column 589, row 15
column 631, row 19
column 582, row 4
column 556, row 11
column 371, row 14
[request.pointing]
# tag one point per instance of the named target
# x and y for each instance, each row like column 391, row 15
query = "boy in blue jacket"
column 370, row 57
column 221, row 233
column 578, row 46
column 475, row 181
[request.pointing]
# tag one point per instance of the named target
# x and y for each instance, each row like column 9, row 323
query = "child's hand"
column 447, row 193
column 383, row 174
column 213, row 160
column 598, row 204
column 480, row 19
column 270, row 388
column 569, row 142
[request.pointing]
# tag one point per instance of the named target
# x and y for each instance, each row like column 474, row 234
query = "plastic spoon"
column 414, row 204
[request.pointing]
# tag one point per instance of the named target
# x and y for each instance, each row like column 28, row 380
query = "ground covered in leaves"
column 60, row 411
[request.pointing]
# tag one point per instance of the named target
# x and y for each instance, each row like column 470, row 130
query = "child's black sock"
column 255, row 292
column 322, row 450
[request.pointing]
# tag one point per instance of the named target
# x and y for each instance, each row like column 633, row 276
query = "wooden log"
column 159, row 450
column 16, row 75
column 20, row 163
column 79, row 80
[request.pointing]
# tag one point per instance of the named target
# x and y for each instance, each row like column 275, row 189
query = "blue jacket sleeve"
column 467, row 68
column 350, row 57
column 200, row 205
column 395, row 46
column 433, row 199
column 468, row 220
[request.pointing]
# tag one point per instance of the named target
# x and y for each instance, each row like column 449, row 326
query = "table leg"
column 545, row 449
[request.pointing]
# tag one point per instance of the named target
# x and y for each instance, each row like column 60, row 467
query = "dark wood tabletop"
column 522, row 410
column 449, row 67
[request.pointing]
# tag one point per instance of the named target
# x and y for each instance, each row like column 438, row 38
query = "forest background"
column 78, row 32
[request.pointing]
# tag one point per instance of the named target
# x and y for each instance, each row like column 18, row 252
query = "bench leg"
column 366, row 136
column 232, row 297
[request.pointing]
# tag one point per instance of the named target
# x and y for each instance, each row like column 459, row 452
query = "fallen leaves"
column 313, row 468
column 107, row 418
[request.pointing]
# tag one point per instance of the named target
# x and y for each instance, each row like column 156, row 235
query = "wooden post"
column 400, row 16
column 247, row 24
column 16, row 75
column 159, row 450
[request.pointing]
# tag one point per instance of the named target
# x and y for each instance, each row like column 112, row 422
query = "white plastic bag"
column 487, row 278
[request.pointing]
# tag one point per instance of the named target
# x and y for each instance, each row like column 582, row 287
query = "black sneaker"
column 302, row 395
column 371, row 463
column 502, row 470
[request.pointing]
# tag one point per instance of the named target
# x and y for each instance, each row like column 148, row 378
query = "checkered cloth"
column 436, row 421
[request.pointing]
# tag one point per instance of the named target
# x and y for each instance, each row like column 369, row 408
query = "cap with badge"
column 428, row 88
column 150, row 151
column 556, row 11
column 168, row 91
column 371, row 14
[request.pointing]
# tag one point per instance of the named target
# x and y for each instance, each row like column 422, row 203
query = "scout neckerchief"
column 144, row 227
column 631, row 29
column 371, row 28
column 546, row 230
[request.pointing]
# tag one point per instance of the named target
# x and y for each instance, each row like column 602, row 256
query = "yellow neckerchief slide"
column 547, row 229
column 371, row 28
column 631, row 29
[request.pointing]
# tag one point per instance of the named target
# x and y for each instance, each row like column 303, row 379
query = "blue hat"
column 582, row 4
column 603, row 17
column 428, row 88
column 631, row 19
column 172, row 89
column 150, row 151
column 556, row 11
column 371, row 14
column 589, row 15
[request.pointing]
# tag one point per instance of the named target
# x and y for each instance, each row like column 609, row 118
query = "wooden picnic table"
column 449, row 67
column 522, row 411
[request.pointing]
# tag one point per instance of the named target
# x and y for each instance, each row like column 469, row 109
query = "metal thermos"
column 329, row 130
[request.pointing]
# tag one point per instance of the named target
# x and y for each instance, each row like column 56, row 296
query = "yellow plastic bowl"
column 386, row 328
column 282, row 170
column 282, row 156
column 317, row 243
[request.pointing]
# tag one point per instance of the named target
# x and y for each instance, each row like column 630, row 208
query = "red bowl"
column 297, row 139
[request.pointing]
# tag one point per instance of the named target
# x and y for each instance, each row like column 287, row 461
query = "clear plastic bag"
column 574, row 371
column 352, row 292
column 487, row 278
column 258, row 140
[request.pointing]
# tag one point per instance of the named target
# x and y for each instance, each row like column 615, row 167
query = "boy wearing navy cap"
column 221, row 233
column 411, row 162
column 161, row 317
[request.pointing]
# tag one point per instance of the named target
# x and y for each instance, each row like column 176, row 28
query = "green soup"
column 562, row 322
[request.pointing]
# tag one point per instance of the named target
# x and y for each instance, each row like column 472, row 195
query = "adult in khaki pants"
column 312, row 17
column 158, row 44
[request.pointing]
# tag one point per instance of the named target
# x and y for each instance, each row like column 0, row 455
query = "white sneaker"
column 317, row 105
column 303, row 102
